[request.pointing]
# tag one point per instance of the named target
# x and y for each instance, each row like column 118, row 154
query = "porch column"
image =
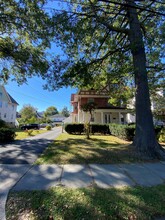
column 83, row 117
column 102, row 119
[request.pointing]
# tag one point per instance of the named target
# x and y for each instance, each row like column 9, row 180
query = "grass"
column 24, row 134
column 141, row 203
column 76, row 149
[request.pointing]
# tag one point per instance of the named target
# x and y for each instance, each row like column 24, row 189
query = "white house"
column 58, row 118
column 159, row 94
column 8, row 107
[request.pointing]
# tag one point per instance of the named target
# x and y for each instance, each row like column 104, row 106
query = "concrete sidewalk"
column 42, row 177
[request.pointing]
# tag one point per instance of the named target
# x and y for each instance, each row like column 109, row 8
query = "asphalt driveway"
column 26, row 151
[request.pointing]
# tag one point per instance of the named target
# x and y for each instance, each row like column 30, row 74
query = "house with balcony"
column 104, row 113
column 8, row 107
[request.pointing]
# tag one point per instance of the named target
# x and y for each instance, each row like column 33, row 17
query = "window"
column 5, row 115
column 0, row 115
column 0, row 104
column 13, row 107
column 6, row 104
column 0, row 95
column 12, row 116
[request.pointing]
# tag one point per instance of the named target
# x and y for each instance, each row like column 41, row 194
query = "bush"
column 74, row 128
column 48, row 127
column 29, row 132
column 127, row 132
column 162, row 135
column 80, row 128
column 3, row 124
column 100, row 128
column 124, row 132
column 7, row 134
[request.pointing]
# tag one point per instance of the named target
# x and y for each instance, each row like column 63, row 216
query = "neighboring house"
column 104, row 112
column 8, row 107
column 57, row 118
column 131, row 117
column 39, row 114
column 158, row 105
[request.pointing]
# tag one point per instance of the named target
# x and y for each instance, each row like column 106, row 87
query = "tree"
column 103, row 41
column 28, row 114
column 65, row 112
column 25, row 34
column 50, row 111
column 106, row 40
column 88, row 107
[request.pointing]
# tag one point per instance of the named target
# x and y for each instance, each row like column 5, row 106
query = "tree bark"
column 145, row 142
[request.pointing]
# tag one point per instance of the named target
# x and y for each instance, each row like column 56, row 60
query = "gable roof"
column 11, row 99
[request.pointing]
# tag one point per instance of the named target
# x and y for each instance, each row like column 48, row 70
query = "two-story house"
column 8, row 107
column 104, row 112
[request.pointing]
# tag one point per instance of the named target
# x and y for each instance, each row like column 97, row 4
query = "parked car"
column 43, row 125
column 30, row 126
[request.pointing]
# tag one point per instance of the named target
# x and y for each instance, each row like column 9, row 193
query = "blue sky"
column 33, row 92
column 35, row 95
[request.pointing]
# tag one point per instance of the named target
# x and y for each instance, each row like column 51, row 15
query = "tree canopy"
column 50, row 111
column 95, row 37
column 28, row 114
column 25, row 34
column 65, row 112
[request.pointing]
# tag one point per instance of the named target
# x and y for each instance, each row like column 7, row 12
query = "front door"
column 107, row 118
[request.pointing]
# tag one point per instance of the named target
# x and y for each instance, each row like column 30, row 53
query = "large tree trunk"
column 145, row 141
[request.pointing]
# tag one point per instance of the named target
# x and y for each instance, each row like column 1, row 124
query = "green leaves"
column 25, row 34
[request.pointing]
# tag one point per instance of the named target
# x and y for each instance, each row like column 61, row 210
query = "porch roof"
column 111, row 107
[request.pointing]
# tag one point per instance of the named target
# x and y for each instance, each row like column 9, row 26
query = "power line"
column 32, row 97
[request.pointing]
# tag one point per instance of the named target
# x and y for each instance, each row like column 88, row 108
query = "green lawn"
column 24, row 134
column 76, row 149
column 142, row 203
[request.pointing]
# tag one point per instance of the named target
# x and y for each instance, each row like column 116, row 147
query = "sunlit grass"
column 24, row 134
column 76, row 149
column 88, row 204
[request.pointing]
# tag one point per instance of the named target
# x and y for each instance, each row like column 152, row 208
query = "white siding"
column 7, row 109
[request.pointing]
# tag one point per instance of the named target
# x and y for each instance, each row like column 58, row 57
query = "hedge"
column 94, row 128
column 7, row 134
column 74, row 128
column 127, row 132
column 100, row 128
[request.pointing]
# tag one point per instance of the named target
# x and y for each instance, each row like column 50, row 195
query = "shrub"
column 7, row 134
column 48, row 127
column 74, row 128
column 3, row 124
column 162, row 135
column 122, row 131
column 100, row 128
column 79, row 128
column 127, row 132
column 29, row 132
